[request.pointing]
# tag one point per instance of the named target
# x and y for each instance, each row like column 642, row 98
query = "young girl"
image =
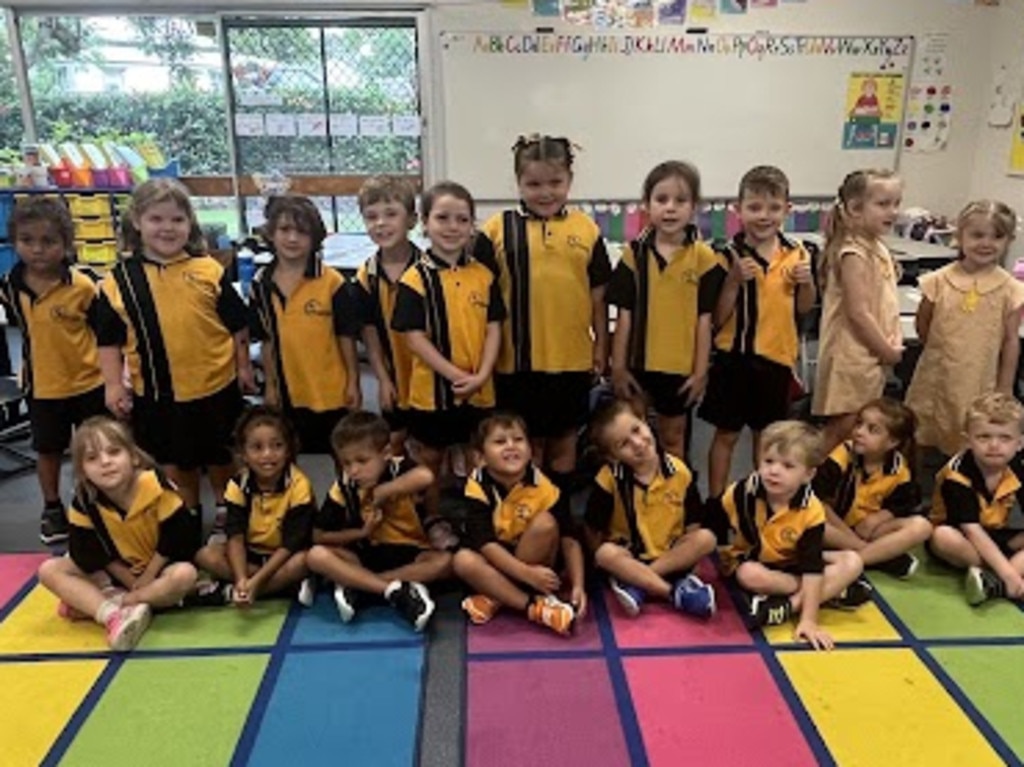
column 270, row 517
column 860, row 331
column 175, row 315
column 449, row 309
column 665, row 287
column 553, row 268
column 130, row 539
column 968, row 321
column 870, row 498
column 644, row 518
column 306, row 317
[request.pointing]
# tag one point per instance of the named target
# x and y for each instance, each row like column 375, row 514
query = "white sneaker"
column 126, row 625
column 307, row 592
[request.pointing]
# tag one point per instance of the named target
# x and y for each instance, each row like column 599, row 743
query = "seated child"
column 643, row 518
column 270, row 507
column 871, row 499
column 974, row 495
column 369, row 535
column 778, row 527
column 518, row 532
column 130, row 537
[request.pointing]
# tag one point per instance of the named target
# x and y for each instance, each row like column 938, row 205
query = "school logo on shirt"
column 477, row 299
column 576, row 242
column 789, row 535
column 314, row 307
column 521, row 511
column 196, row 281
column 673, row 498
column 61, row 314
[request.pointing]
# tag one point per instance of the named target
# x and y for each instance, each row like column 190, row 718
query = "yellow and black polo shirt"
column 791, row 539
column 665, row 296
column 764, row 320
column 547, row 269
column 453, row 306
column 58, row 330
column 157, row 522
column 962, row 497
column 379, row 295
column 647, row 519
column 175, row 320
column 282, row 518
column 402, row 523
column 843, row 483
column 304, row 330
column 499, row 514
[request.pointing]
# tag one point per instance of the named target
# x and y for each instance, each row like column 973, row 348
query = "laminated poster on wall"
column 1017, row 142
column 672, row 12
column 577, row 11
column 547, row 8
column 639, row 14
column 929, row 117
column 311, row 124
column 874, row 110
column 733, row 7
column 703, row 11
column 281, row 124
column 343, row 124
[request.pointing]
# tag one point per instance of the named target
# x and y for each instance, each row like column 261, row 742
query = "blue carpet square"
column 320, row 624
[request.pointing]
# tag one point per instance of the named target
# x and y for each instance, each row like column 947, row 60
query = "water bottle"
column 246, row 260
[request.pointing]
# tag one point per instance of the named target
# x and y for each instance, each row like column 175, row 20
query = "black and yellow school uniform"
column 665, row 295
column 790, row 540
column 175, row 321
column 757, row 347
column 453, row 305
column 60, row 366
column 156, row 523
column 399, row 538
column 646, row 519
column 962, row 497
column 854, row 495
column 309, row 371
column 268, row 521
column 547, row 269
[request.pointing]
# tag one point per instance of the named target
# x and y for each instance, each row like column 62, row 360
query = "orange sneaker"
column 479, row 608
column 552, row 612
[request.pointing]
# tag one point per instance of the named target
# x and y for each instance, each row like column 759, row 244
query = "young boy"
column 369, row 536
column 518, row 529
column 756, row 346
column 54, row 307
column 778, row 526
column 974, row 495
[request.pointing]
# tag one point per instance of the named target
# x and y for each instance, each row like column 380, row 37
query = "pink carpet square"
column 15, row 571
column 511, row 632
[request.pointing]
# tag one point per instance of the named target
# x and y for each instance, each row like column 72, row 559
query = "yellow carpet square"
column 35, row 627
column 865, row 624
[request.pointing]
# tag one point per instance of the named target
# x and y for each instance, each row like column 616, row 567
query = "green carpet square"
column 222, row 627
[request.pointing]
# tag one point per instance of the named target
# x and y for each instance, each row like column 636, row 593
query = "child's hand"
column 241, row 595
column 466, row 387
column 694, row 388
column 578, row 598
column 247, row 379
column 743, row 269
column 599, row 364
column 801, row 273
column 625, row 385
column 386, row 394
column 118, row 400
column 371, row 521
column 814, row 635
column 894, row 354
column 544, row 579
column 353, row 396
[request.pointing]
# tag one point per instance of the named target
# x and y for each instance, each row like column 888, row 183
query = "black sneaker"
column 901, row 566
column 210, row 594
column 53, row 526
column 770, row 610
column 853, row 596
column 413, row 602
column 982, row 585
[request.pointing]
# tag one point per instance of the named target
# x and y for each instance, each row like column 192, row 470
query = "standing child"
column 307, row 318
column 518, row 534
column 270, row 517
column 756, row 347
column 554, row 268
column 860, row 332
column 871, row 499
column 130, row 539
column 54, row 307
column 644, row 518
column 968, row 321
column 665, row 287
column 173, row 312
column 778, row 526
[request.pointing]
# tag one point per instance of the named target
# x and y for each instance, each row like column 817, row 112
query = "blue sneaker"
column 693, row 596
column 630, row 597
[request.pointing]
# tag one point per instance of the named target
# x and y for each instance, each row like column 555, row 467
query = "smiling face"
column 982, row 242
column 164, row 228
column 108, row 465
column 762, row 215
column 506, row 451
column 877, row 212
column 265, row 453
column 670, row 206
column 449, row 226
column 544, row 187
column 629, row 440
column 388, row 223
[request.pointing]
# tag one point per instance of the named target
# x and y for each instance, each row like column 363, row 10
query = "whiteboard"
column 725, row 102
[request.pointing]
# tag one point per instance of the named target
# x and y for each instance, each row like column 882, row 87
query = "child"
column 665, row 287
column 54, row 307
column 369, row 534
column 388, row 207
column 270, row 516
column 778, row 526
column 871, row 498
column 644, row 516
column 968, row 321
column 307, row 318
column 860, row 331
column 974, row 496
column 554, row 269
column 757, row 341
column 130, row 537
column 449, row 310
column 518, row 532
column 183, row 328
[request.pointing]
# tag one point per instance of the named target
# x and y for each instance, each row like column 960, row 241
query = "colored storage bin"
column 94, row 229
column 81, row 178
column 121, row 203
column 120, row 178
column 101, row 178
column 96, row 253
column 170, row 170
column 62, row 177
column 8, row 258
column 83, row 206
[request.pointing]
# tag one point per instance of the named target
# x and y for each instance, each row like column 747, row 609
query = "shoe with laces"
column 693, row 596
column 480, row 608
column 902, row 566
column 209, row 594
column 53, row 525
column 347, row 601
column 853, row 596
column 631, row 598
column 412, row 601
column 981, row 585
column 772, row 610
column 126, row 625
column 552, row 612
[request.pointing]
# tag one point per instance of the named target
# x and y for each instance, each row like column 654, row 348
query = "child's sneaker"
column 126, row 625
column 901, row 566
column 307, row 592
column 552, row 612
column 412, row 601
column 982, row 585
column 209, row 594
column 53, row 525
column 770, row 610
column 347, row 601
column 693, row 596
column 853, row 596
column 218, row 534
column 630, row 597
column 480, row 608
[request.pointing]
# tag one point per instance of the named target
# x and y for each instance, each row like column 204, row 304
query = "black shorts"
column 189, row 435
column 552, row 404
column 314, row 429
column 443, row 428
column 256, row 558
column 381, row 557
column 744, row 390
column 53, row 419
column 398, row 419
column 663, row 391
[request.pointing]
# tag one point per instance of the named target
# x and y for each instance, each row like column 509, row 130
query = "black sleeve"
column 961, row 503
column 709, row 288
column 237, row 522
column 479, row 524
column 332, row 517
column 600, row 505
column 826, row 481
column 257, row 330
column 110, row 328
column 563, row 516
column 230, row 306
column 904, row 500
column 86, row 550
column 297, row 527
column 92, row 315
column 496, row 304
column 809, row 550
column 366, row 308
column 622, row 288
column 483, row 251
column 693, row 506
column 345, row 307
column 176, row 539
column 410, row 310
column 599, row 270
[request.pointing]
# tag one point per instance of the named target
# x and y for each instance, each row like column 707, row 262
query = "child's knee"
column 319, row 557
column 848, row 563
column 544, row 525
column 946, row 538
column 704, row 541
column 607, row 553
column 751, row 576
column 466, row 562
column 920, row 527
column 53, row 569
column 181, row 576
